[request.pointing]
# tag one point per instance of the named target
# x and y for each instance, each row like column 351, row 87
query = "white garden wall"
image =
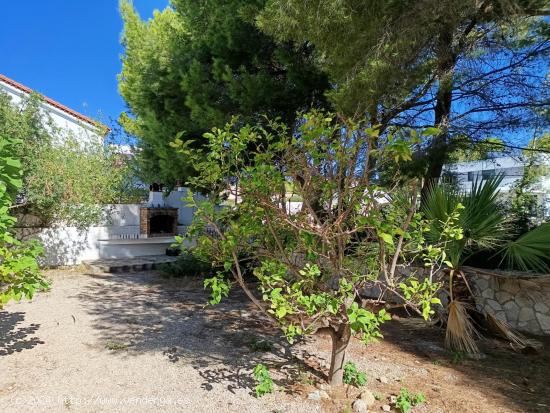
column 116, row 237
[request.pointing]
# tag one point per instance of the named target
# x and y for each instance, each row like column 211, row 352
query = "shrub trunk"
column 340, row 341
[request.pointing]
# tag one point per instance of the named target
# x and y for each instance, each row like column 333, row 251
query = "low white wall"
column 71, row 245
column 122, row 215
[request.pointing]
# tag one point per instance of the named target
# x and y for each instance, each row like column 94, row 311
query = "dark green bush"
column 186, row 266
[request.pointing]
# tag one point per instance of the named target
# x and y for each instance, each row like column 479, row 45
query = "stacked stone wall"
column 522, row 302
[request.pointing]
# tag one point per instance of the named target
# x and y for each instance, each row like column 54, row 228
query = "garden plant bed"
column 137, row 342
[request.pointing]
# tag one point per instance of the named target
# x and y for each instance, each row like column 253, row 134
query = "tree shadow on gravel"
column 143, row 312
column 522, row 379
column 16, row 338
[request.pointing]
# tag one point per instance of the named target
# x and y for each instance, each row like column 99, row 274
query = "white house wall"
column 116, row 237
column 65, row 124
column 176, row 200
column 512, row 170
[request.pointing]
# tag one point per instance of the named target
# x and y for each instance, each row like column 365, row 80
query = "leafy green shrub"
column 353, row 376
column 264, row 380
column 218, row 286
column 258, row 239
column 186, row 266
column 66, row 179
column 406, row 400
column 20, row 276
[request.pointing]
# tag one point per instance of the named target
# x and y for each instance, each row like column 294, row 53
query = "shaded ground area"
column 500, row 381
column 136, row 342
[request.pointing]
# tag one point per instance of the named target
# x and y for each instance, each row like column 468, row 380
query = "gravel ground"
column 132, row 343
column 139, row 343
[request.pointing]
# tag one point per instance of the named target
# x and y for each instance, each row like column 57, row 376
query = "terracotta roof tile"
column 53, row 103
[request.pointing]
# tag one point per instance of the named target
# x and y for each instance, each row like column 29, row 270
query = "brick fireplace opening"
column 158, row 222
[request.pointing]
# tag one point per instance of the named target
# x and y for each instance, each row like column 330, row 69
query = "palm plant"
column 529, row 252
column 482, row 222
column 485, row 228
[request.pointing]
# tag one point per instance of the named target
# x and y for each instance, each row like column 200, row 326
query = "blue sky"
column 68, row 50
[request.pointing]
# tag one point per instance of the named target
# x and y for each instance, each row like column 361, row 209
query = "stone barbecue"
column 158, row 221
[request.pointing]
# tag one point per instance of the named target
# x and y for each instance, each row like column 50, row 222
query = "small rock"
column 544, row 321
column 526, row 314
column 533, row 347
column 386, row 408
column 324, row 394
column 488, row 293
column 383, row 379
column 393, row 399
column 360, row 406
column 541, row 308
column 367, row 397
column 314, row 395
column 324, row 386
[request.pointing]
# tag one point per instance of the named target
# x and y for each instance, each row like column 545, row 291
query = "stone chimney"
column 156, row 197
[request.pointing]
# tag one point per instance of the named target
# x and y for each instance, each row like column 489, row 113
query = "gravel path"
column 139, row 343
column 132, row 343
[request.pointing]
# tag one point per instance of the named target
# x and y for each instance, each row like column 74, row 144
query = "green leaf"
column 388, row 239
column 529, row 252
column 431, row 131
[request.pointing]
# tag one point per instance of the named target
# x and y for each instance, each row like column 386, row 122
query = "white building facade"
column 66, row 121
column 510, row 168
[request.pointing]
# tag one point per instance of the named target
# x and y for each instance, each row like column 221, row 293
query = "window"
column 487, row 174
column 471, row 176
column 449, row 177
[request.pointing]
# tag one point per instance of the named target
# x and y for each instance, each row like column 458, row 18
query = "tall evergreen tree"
column 471, row 68
column 198, row 63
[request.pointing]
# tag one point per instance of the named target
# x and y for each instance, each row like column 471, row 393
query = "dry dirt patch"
column 136, row 342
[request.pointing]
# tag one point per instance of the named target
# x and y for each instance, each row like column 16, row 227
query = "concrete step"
column 118, row 265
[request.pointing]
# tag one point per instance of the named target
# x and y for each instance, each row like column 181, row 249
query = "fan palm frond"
column 503, row 330
column 481, row 220
column 529, row 252
column 461, row 333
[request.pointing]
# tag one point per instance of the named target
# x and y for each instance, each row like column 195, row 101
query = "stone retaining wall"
column 523, row 302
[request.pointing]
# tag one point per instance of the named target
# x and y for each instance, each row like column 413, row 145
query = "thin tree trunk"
column 340, row 341
column 438, row 150
column 373, row 141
